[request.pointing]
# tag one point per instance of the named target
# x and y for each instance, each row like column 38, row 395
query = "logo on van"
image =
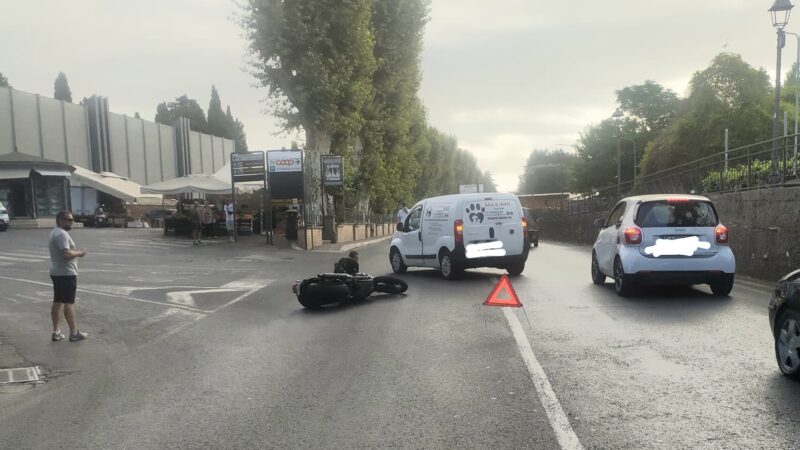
column 475, row 212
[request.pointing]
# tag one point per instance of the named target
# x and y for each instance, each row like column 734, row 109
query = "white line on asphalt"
column 558, row 420
column 18, row 259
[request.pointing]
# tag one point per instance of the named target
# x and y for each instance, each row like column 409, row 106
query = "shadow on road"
column 341, row 307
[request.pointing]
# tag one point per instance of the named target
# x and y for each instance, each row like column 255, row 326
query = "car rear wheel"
column 448, row 267
column 724, row 286
column 787, row 343
column 396, row 260
column 536, row 242
column 597, row 276
column 622, row 283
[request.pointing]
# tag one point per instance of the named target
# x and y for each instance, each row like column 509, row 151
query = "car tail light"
column 458, row 231
column 678, row 200
column 722, row 234
column 524, row 225
column 633, row 236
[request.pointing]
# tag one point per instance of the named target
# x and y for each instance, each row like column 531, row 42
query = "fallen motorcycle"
column 329, row 288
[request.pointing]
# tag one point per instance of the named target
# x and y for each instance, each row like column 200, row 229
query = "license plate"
column 673, row 237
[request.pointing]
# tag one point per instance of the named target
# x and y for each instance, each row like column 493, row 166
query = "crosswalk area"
column 39, row 254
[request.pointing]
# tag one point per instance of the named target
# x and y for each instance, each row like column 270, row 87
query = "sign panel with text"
column 285, row 161
column 247, row 166
column 332, row 171
column 285, row 174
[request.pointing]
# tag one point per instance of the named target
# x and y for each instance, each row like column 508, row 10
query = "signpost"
column 250, row 166
column 470, row 188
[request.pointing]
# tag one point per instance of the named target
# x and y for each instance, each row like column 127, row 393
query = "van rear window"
column 676, row 213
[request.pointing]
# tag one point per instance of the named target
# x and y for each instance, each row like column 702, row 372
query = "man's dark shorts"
column 64, row 288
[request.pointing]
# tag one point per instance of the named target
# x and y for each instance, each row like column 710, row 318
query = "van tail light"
column 633, row 236
column 722, row 234
column 458, row 231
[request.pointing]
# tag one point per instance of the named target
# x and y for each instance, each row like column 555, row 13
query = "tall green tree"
column 216, row 117
column 4, row 81
column 61, row 89
column 546, row 171
column 389, row 168
column 182, row 106
column 315, row 57
column 728, row 94
column 649, row 105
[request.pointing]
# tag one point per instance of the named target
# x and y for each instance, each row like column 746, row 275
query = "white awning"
column 190, row 184
column 53, row 173
column 111, row 184
column 14, row 173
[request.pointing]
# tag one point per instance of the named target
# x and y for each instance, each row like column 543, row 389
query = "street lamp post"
column 781, row 10
column 796, row 98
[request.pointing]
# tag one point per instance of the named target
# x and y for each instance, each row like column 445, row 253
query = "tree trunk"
column 318, row 143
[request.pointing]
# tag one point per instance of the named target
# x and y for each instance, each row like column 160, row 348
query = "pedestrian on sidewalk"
column 197, row 216
column 230, row 220
column 64, row 273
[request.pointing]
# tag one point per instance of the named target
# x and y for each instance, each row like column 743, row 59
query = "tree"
column 4, row 81
column 651, row 106
column 137, row 116
column 546, row 172
column 316, row 59
column 61, row 89
column 217, row 123
column 728, row 94
column 183, row 106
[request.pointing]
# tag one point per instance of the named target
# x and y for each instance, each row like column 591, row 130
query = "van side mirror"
column 400, row 226
column 599, row 223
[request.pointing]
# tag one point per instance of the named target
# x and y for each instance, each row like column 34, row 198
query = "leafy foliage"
column 545, row 172
column 183, row 106
column 4, row 81
column 61, row 89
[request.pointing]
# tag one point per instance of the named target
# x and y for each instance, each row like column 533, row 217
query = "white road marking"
column 565, row 435
column 19, row 260
column 185, row 297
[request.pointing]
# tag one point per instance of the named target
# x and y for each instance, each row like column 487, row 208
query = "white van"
column 457, row 232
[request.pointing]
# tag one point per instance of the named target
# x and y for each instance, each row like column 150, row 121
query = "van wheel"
column 396, row 260
column 516, row 268
column 448, row 267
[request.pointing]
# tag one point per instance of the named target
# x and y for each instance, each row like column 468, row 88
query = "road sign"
column 285, row 161
column 503, row 294
column 470, row 188
column 332, row 171
column 248, row 166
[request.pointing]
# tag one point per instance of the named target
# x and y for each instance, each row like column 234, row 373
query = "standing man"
column 64, row 273
column 230, row 220
column 197, row 217
column 402, row 214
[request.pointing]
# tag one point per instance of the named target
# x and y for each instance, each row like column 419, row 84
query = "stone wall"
column 359, row 232
column 344, row 232
column 308, row 238
column 764, row 229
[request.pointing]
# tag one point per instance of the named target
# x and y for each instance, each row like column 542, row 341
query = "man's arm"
column 70, row 254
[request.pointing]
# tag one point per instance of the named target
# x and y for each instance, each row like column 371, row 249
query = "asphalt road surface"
column 197, row 347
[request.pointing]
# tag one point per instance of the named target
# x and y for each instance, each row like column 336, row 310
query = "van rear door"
column 493, row 220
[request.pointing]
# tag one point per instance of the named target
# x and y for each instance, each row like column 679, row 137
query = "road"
column 197, row 347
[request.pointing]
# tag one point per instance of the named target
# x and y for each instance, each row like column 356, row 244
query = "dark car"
column 533, row 227
column 784, row 320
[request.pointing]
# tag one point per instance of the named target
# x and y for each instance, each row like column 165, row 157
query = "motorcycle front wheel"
column 390, row 285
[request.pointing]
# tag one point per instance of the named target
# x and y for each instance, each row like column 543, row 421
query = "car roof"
column 656, row 197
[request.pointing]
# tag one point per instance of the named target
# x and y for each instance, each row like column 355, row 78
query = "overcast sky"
column 504, row 77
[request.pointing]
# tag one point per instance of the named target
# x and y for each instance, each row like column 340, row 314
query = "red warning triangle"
column 503, row 295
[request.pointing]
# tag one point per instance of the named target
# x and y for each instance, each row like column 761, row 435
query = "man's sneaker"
column 78, row 336
column 57, row 336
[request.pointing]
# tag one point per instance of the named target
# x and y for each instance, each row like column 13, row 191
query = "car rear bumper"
column 634, row 262
column 677, row 277
column 500, row 262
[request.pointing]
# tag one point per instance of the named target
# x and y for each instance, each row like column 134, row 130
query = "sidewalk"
column 344, row 246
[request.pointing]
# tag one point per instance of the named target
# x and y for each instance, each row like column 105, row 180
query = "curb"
column 348, row 247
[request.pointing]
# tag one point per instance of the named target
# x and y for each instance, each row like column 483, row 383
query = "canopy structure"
column 190, row 184
column 114, row 185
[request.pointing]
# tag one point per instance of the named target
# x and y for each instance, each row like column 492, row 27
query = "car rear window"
column 676, row 213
